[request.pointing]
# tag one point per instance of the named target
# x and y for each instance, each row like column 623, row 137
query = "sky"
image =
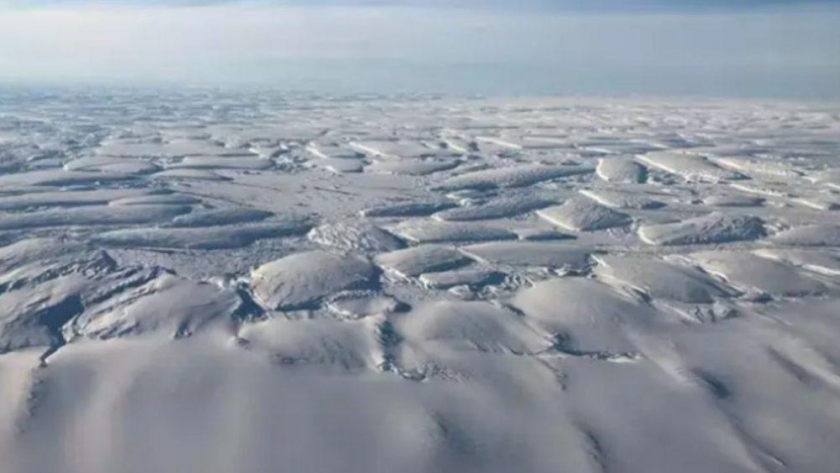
column 742, row 48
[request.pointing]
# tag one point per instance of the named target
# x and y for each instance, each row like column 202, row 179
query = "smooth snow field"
column 213, row 282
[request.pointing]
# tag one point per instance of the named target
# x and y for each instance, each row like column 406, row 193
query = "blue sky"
column 597, row 47
column 565, row 6
column 622, row 5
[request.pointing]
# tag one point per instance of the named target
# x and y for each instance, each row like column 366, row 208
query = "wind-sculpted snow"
column 357, row 235
column 503, row 208
column 733, row 200
column 305, row 278
column 212, row 162
column 461, row 277
column 810, row 235
column 165, row 148
column 222, row 281
column 190, row 174
column 413, row 168
column 210, row 218
column 43, row 285
column 64, row 199
column 468, row 326
column 661, row 279
column 408, row 209
column 156, row 199
column 621, row 170
column 820, row 202
column 422, row 259
column 584, row 316
column 753, row 273
column 61, row 178
column 360, row 304
column 112, row 165
column 820, row 261
column 691, row 167
column 202, row 238
column 89, row 216
column 168, row 305
column 709, row 229
column 554, row 255
column 320, row 344
column 514, row 176
column 625, row 200
column 438, row 232
column 759, row 168
column 341, row 165
column 584, row 215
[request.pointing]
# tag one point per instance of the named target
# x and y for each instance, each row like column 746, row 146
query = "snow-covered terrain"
column 216, row 282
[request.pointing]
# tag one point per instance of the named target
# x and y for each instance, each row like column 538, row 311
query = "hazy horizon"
column 733, row 49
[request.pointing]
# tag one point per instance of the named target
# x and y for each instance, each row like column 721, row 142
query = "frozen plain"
column 203, row 281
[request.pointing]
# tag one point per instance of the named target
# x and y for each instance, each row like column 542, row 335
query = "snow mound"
column 391, row 149
column 820, row 202
column 585, row 215
column 530, row 254
column 816, row 260
column 542, row 234
column 661, row 279
column 408, row 209
column 502, row 208
column 93, row 216
column 462, row 277
column 753, row 273
column 340, row 165
column 209, row 218
column 66, row 198
column 33, row 251
column 303, row 279
column 112, row 165
column 190, row 174
column 323, row 151
column 620, row 170
column 356, row 305
column 44, row 282
column 355, row 236
column 173, row 148
column 441, row 232
column 205, row 238
column 450, row 325
column 168, row 305
column 708, row 229
column 760, row 168
column 623, row 200
column 411, row 167
column 733, row 200
column 214, row 162
column 762, row 188
column 156, row 199
column 691, row 167
column 809, row 235
column 33, row 317
column 412, row 262
column 314, row 344
column 61, row 178
column 515, row 176
column 584, row 316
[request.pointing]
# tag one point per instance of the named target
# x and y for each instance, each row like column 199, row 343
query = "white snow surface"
column 215, row 281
